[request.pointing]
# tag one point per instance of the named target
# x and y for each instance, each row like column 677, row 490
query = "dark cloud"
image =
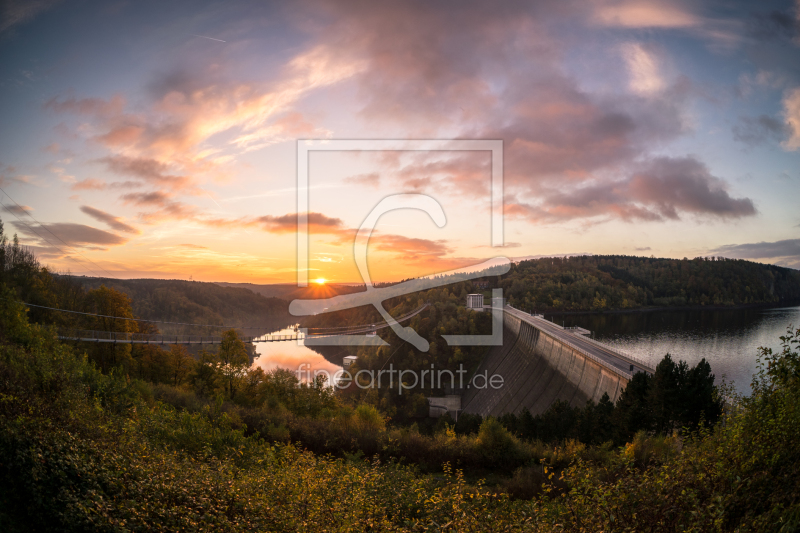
column 662, row 188
column 643, row 249
column 87, row 106
column 163, row 207
column 685, row 184
column 72, row 234
column 17, row 209
column 112, row 221
column 146, row 169
column 774, row 25
column 317, row 223
column 14, row 12
column 147, row 198
column 758, row 130
column 468, row 173
column 789, row 248
column 562, row 133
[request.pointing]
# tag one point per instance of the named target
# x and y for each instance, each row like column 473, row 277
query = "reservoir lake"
column 727, row 339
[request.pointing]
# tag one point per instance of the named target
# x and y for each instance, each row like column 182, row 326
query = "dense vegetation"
column 197, row 303
column 81, row 450
column 142, row 438
column 674, row 398
column 596, row 283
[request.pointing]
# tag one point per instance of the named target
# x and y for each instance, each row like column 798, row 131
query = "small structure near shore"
column 475, row 302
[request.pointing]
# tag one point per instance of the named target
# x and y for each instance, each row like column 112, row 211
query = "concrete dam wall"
column 537, row 370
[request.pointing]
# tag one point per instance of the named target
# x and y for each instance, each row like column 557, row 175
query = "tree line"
column 599, row 283
column 674, row 398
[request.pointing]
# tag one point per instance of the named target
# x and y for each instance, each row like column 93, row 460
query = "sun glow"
column 320, row 281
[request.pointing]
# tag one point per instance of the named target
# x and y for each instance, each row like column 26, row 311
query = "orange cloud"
column 409, row 247
column 89, row 184
column 122, row 135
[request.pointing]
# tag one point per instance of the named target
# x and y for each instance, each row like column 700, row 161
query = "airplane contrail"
column 212, row 198
column 204, row 37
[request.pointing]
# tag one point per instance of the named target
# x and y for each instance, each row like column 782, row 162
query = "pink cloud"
column 644, row 14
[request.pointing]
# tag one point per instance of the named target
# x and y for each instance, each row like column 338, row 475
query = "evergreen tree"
column 632, row 411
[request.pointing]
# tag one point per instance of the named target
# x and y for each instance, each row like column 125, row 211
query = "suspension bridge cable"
column 166, row 322
column 140, row 319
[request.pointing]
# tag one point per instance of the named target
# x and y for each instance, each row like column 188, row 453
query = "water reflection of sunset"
column 291, row 355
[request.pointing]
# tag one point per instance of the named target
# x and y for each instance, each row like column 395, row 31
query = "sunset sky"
column 159, row 139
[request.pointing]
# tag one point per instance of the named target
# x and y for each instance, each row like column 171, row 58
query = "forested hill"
column 290, row 291
column 194, row 301
column 622, row 282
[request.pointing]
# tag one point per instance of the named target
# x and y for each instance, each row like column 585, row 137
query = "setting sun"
column 320, row 281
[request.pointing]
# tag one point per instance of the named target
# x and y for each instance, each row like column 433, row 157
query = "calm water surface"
column 729, row 340
column 290, row 354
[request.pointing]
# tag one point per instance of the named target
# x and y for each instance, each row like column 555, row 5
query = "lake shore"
column 632, row 310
